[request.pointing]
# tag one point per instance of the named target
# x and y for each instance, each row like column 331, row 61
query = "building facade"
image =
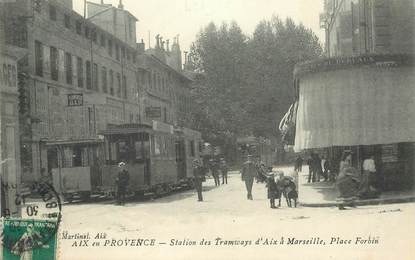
column 81, row 75
column 358, row 27
column 165, row 87
column 361, row 97
column 10, row 171
column 78, row 78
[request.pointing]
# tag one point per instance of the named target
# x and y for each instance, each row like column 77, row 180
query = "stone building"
column 83, row 74
column 77, row 78
column 361, row 97
column 358, row 27
column 165, row 88
column 114, row 20
column 9, row 125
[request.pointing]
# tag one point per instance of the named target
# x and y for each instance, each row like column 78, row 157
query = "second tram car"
column 261, row 148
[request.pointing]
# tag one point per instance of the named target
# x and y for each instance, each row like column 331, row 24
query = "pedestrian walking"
column 325, row 164
column 199, row 176
column 369, row 187
column 272, row 190
column 318, row 171
column 122, row 183
column 224, row 171
column 298, row 164
column 248, row 174
column 311, row 176
column 214, row 169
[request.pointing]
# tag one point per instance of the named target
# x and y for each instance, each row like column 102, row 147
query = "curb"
column 361, row 202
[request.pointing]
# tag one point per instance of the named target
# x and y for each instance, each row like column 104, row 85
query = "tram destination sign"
column 75, row 100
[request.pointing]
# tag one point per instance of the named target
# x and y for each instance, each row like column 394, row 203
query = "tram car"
column 261, row 148
column 158, row 158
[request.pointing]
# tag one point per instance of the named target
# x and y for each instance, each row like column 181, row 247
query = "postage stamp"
column 29, row 239
column 33, row 236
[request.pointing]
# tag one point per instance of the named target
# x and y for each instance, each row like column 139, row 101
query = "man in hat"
column 248, row 174
column 224, row 171
column 199, row 175
column 214, row 168
column 122, row 183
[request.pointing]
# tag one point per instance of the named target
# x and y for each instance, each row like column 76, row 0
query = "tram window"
column 77, row 156
column 166, row 148
column 123, row 151
column 113, row 150
column 192, row 148
column 146, row 149
column 153, row 145
column 138, row 150
column 157, row 145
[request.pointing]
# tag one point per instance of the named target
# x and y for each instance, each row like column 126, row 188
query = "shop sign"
column 75, row 100
column 153, row 112
column 378, row 60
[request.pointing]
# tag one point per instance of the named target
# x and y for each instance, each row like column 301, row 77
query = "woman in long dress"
column 347, row 183
column 27, row 242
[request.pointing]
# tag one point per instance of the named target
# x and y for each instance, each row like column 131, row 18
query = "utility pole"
column 84, row 9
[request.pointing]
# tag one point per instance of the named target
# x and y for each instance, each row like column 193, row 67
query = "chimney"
column 141, row 47
column 120, row 5
column 168, row 45
column 161, row 43
column 185, row 58
column 102, row 2
column 157, row 41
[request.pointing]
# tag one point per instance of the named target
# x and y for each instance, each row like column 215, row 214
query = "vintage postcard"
column 207, row 129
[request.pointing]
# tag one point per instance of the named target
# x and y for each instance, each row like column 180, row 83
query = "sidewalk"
column 323, row 194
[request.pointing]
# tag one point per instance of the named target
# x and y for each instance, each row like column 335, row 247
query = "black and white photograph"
column 207, row 129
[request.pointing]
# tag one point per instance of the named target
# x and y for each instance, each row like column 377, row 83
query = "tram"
column 158, row 157
column 261, row 148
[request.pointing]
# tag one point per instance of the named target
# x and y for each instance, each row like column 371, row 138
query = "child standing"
column 272, row 190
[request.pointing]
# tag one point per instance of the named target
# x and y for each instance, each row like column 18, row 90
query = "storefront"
column 362, row 104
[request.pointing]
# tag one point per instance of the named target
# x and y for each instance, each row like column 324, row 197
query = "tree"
column 247, row 83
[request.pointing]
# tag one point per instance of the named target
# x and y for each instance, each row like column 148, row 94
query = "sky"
column 186, row 17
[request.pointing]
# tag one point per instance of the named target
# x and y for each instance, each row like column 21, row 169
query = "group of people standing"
column 350, row 182
column 318, row 167
column 353, row 185
column 275, row 187
column 218, row 168
column 214, row 166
